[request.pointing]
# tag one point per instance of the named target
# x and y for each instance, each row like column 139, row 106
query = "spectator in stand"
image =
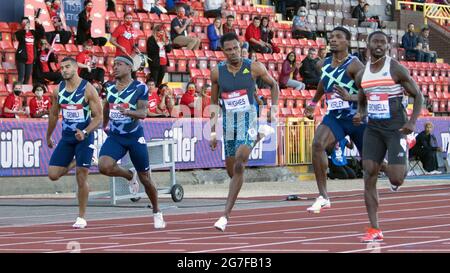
column 46, row 70
column 154, row 101
column 410, row 42
column 282, row 5
column 123, row 37
column 13, row 103
column 205, row 99
column 179, row 31
column 424, row 45
column 358, row 11
column 154, row 6
column 27, row 48
column 187, row 7
column 87, row 64
column 213, row 8
column 170, row 6
column 60, row 35
column 301, row 28
column 111, row 5
column 158, row 45
column 228, row 26
column 167, row 99
column 267, row 34
column 84, row 26
column 308, row 70
column 371, row 22
column 253, row 37
column 426, row 148
column 215, row 32
column 322, row 54
column 39, row 105
column 289, row 72
column 55, row 8
column 48, row 4
column 189, row 98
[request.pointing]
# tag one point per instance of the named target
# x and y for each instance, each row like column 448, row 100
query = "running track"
column 416, row 221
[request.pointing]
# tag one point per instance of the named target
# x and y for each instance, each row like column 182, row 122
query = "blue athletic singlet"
column 76, row 115
column 126, row 133
column 239, row 114
column 338, row 75
column 76, row 112
column 340, row 113
column 127, row 98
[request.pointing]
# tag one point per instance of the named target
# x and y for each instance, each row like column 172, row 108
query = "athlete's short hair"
column 377, row 32
column 230, row 36
column 348, row 35
column 69, row 59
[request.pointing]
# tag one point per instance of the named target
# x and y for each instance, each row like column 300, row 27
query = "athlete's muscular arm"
column 260, row 71
column 355, row 67
column 401, row 76
column 53, row 117
column 96, row 111
column 141, row 111
column 362, row 101
column 214, row 106
column 105, row 114
column 309, row 110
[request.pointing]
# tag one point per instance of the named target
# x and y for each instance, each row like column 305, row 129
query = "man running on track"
column 380, row 98
column 337, row 83
column 126, row 103
column 79, row 102
column 233, row 81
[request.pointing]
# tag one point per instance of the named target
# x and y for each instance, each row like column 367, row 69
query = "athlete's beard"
column 69, row 77
column 235, row 62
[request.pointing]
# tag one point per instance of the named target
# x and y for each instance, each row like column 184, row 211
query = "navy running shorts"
column 116, row 146
column 68, row 147
column 341, row 128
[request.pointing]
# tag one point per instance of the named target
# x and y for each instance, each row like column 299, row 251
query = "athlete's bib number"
column 236, row 101
column 336, row 103
column 73, row 112
column 116, row 115
column 378, row 106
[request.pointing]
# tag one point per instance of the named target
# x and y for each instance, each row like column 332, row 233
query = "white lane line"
column 419, row 250
column 82, row 244
column 322, row 232
column 268, row 237
column 145, row 238
column 312, row 239
column 79, row 231
column 25, row 249
column 273, row 231
column 31, row 238
column 430, row 231
column 414, row 237
column 330, row 243
column 398, row 245
column 190, row 239
column 246, row 216
column 144, row 250
column 278, row 221
column 284, row 250
column 206, row 232
column 252, row 215
column 190, row 243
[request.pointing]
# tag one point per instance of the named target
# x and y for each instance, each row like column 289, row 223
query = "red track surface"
column 411, row 222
